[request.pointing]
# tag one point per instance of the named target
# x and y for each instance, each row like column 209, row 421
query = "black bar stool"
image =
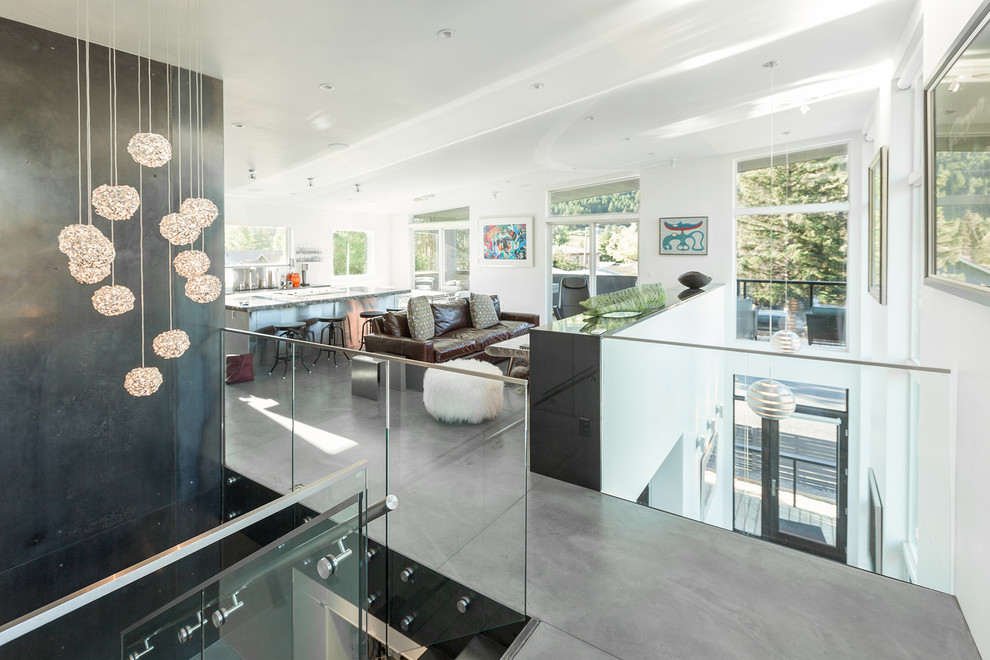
column 368, row 315
column 295, row 330
column 334, row 325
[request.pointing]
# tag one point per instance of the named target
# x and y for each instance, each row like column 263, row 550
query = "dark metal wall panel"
column 83, row 465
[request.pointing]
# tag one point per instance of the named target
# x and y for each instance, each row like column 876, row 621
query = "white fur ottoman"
column 451, row 397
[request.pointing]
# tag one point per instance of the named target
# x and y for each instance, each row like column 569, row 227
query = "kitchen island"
column 259, row 310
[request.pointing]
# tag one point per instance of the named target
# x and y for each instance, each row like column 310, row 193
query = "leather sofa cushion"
column 396, row 325
column 450, row 316
column 450, row 349
column 487, row 336
column 515, row 328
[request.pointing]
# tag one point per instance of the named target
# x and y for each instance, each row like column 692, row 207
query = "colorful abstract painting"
column 684, row 235
column 506, row 242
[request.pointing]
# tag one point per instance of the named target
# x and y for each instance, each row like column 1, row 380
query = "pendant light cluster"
column 769, row 398
column 92, row 253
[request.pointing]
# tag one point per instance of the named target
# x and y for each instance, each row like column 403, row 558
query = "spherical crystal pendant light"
column 190, row 263
column 170, row 344
column 785, row 341
column 116, row 202
column 86, row 245
column 88, row 274
column 150, row 149
column 202, row 210
column 204, row 288
column 113, row 300
column 179, row 229
column 143, row 381
column 770, row 399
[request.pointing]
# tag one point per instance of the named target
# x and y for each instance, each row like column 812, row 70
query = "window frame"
column 369, row 257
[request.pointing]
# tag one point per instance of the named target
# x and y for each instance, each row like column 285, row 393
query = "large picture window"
column 246, row 245
column 351, row 253
column 791, row 245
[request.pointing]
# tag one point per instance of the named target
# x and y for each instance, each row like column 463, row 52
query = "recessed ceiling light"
column 326, row 87
column 446, row 33
column 625, row 139
column 337, row 146
column 590, row 118
column 537, row 85
column 237, row 124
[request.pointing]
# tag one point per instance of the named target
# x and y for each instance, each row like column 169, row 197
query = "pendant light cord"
column 89, row 129
column 79, row 130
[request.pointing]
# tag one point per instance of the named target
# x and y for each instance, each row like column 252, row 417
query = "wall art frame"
column 684, row 235
column 507, row 242
column 876, row 281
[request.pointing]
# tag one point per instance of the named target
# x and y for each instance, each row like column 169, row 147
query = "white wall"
column 953, row 334
column 314, row 227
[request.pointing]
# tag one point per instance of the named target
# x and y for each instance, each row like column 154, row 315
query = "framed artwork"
column 507, row 241
column 877, row 279
column 684, row 235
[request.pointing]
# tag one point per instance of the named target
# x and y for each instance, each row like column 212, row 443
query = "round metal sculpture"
column 785, row 341
column 150, row 149
column 179, row 229
column 113, row 300
column 170, row 344
column 202, row 210
column 204, row 288
column 86, row 245
column 88, row 274
column 143, row 381
column 190, row 263
column 116, row 202
column 770, row 399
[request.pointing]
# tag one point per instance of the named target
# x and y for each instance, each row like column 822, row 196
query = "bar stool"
column 368, row 315
column 294, row 330
column 334, row 324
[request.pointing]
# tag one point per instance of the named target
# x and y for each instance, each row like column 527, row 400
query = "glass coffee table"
column 514, row 349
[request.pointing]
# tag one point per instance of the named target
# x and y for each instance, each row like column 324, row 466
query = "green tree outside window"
column 350, row 253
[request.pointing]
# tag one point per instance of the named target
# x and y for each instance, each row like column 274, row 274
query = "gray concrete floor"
column 605, row 577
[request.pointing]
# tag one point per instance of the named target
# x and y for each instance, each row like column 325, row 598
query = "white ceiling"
column 662, row 79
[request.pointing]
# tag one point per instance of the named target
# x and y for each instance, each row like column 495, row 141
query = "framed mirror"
column 958, row 164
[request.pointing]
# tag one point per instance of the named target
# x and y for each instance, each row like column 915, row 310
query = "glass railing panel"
column 457, row 460
column 144, row 601
column 258, row 409
column 858, row 470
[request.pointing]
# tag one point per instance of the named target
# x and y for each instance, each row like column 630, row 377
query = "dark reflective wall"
column 93, row 479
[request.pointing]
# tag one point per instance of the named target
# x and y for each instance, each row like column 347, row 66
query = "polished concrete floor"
column 605, row 577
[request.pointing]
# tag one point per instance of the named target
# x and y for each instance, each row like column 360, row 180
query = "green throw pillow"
column 483, row 314
column 640, row 298
column 420, row 315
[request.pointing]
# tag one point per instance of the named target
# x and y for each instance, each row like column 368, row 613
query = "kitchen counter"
column 268, row 299
column 262, row 309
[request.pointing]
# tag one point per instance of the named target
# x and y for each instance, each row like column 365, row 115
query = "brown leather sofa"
column 455, row 337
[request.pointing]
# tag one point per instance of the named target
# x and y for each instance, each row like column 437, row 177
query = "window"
column 794, row 220
column 608, row 198
column 601, row 242
column 442, row 251
column 256, row 246
column 351, row 253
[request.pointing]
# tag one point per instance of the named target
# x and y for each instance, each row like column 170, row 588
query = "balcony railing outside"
column 764, row 307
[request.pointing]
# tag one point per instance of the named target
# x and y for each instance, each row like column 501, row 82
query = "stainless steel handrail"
column 788, row 356
column 382, row 356
column 59, row 608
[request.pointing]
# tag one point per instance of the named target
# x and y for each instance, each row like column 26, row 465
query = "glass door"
column 571, row 255
column 617, row 249
column 605, row 254
column 790, row 476
column 442, row 259
column 807, row 491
